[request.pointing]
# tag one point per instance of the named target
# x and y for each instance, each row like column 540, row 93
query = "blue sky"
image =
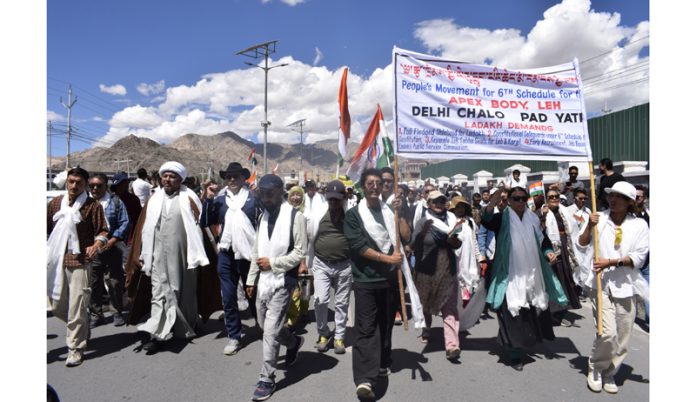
column 107, row 49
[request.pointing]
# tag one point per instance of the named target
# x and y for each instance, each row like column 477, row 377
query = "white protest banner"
column 446, row 109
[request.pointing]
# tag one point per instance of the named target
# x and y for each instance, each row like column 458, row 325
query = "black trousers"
column 109, row 265
column 375, row 308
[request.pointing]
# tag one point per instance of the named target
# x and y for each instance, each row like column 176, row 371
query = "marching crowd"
column 169, row 253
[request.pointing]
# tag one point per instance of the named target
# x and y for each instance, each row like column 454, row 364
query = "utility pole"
column 299, row 123
column 118, row 165
column 69, row 106
column 50, row 159
column 255, row 52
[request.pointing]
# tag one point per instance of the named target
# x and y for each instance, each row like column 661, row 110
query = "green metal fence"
column 619, row 136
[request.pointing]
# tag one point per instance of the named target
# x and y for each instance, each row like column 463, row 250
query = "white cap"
column 624, row 188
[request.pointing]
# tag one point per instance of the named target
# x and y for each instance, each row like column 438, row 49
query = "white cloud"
column 117, row 89
column 55, row 117
column 318, row 55
column 233, row 100
column 569, row 29
column 151, row 89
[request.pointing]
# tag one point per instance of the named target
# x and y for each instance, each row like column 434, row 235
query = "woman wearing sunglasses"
column 557, row 224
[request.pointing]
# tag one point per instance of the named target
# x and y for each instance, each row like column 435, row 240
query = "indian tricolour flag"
column 343, row 118
column 536, row 188
column 371, row 147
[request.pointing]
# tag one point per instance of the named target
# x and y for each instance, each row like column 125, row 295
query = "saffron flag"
column 370, row 149
column 343, row 117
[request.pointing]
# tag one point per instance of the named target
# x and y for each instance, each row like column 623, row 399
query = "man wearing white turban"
column 170, row 251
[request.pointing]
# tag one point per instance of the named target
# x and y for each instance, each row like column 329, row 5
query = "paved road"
column 116, row 370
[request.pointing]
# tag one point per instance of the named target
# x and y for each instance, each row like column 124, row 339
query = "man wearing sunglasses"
column 623, row 247
column 578, row 210
column 109, row 261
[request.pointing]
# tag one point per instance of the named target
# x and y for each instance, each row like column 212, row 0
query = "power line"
column 596, row 90
column 89, row 94
column 614, row 49
column 609, row 73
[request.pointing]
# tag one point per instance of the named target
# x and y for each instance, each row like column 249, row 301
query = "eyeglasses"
column 96, row 185
column 553, row 197
column 518, row 199
column 375, row 183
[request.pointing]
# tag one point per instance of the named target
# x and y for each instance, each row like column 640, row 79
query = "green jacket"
column 500, row 223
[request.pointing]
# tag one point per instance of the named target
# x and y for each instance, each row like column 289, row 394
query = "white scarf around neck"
column 64, row 235
column 195, row 251
column 525, row 280
column 439, row 224
column 274, row 247
column 467, row 266
column 385, row 238
column 236, row 220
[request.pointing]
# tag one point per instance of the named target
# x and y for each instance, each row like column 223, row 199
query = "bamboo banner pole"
column 596, row 252
column 400, row 275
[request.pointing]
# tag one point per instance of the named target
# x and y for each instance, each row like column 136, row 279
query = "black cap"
column 118, row 179
column 270, row 181
column 335, row 189
column 310, row 183
column 235, row 169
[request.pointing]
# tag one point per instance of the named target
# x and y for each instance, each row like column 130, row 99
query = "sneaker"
column 517, row 364
column 339, row 346
column 594, row 381
column 292, row 353
column 96, row 320
column 232, row 347
column 364, row 390
column 566, row 323
column 74, row 358
column 323, row 344
column 118, row 320
column 263, row 391
column 609, row 385
column 453, row 354
column 384, row 372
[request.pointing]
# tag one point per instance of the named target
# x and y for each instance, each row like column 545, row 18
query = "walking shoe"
column 364, row 390
column 232, row 347
column 74, row 358
column 339, row 346
column 323, row 344
column 96, row 320
column 118, row 320
column 152, row 346
column 384, row 372
column 594, row 381
column 425, row 335
column 566, row 323
column 609, row 385
column 263, row 391
column 291, row 354
column 397, row 319
column 452, row 354
column 517, row 364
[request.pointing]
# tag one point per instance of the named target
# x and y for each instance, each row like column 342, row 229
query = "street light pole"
column 255, row 52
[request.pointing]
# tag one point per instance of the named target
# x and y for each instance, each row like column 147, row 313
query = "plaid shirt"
column 93, row 224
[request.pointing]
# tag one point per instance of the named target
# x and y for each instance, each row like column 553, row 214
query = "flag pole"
column 400, row 275
column 596, row 252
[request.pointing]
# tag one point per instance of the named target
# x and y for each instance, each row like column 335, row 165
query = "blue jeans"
column 645, row 271
column 230, row 270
